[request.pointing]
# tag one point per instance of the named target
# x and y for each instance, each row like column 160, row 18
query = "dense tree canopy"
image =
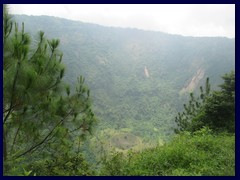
column 113, row 61
column 204, row 145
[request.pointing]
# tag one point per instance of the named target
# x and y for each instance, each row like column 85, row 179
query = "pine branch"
column 12, row 94
column 45, row 139
column 15, row 137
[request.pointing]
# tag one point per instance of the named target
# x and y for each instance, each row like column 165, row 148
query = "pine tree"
column 187, row 120
column 220, row 106
column 41, row 115
column 215, row 109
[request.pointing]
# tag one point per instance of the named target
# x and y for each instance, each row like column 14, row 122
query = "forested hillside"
column 139, row 81
column 113, row 60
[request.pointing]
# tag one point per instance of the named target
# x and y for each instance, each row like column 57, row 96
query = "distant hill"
column 139, row 79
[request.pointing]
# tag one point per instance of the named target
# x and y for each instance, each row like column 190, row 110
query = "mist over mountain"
column 139, row 79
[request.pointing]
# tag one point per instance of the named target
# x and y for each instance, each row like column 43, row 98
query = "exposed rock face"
column 146, row 72
column 194, row 81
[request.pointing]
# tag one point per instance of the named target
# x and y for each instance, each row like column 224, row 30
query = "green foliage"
column 201, row 153
column 216, row 110
column 219, row 108
column 19, row 171
column 40, row 117
column 113, row 61
column 46, row 119
column 115, row 166
column 188, row 120
column 69, row 164
column 66, row 165
column 18, row 168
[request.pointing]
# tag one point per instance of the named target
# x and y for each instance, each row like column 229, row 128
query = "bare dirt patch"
column 124, row 141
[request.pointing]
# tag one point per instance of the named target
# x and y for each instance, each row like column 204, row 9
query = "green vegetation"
column 124, row 141
column 214, row 109
column 202, row 153
column 205, row 145
column 186, row 120
column 47, row 121
column 113, row 61
column 42, row 118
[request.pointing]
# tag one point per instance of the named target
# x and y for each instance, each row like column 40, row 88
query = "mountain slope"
column 114, row 61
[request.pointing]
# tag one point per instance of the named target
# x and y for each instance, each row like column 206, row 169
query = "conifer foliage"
column 215, row 109
column 186, row 119
column 41, row 114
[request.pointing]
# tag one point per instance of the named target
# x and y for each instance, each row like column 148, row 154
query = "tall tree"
column 186, row 120
column 41, row 114
column 219, row 108
column 216, row 109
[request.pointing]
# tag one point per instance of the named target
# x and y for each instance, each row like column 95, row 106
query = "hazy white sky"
column 190, row 20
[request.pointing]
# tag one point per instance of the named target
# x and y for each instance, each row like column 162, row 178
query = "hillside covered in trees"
column 155, row 107
column 113, row 61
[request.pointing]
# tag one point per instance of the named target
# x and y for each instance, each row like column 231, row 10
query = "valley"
column 138, row 79
column 112, row 96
